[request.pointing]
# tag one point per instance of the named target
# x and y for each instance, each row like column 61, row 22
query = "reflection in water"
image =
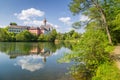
column 38, row 61
column 80, row 72
column 31, row 62
column 24, row 49
column 33, row 55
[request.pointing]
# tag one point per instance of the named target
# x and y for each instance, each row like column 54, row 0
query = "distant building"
column 46, row 28
column 43, row 29
column 17, row 29
column 35, row 30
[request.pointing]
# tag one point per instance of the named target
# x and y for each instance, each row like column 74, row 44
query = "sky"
column 33, row 12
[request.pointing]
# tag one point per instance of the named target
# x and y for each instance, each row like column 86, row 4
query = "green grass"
column 107, row 71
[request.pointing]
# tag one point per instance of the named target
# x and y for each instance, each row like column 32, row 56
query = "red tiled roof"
column 33, row 28
column 15, row 26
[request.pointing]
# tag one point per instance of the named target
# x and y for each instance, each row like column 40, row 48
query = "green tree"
column 3, row 35
column 115, row 28
column 90, row 52
column 25, row 36
column 59, row 36
column 93, row 48
column 48, row 37
column 11, row 36
column 13, row 23
column 52, row 35
column 95, row 10
column 41, row 37
column 76, row 35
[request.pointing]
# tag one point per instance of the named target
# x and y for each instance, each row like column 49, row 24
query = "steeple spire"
column 45, row 21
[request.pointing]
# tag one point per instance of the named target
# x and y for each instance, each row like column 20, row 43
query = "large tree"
column 13, row 23
column 25, row 36
column 3, row 35
column 96, row 10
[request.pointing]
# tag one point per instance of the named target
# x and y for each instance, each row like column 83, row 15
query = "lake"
column 33, row 61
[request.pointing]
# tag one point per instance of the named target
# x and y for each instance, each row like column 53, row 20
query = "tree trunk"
column 104, row 20
column 107, row 30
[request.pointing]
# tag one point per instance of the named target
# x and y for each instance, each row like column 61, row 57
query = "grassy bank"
column 107, row 71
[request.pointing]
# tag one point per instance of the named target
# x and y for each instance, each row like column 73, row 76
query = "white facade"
column 16, row 29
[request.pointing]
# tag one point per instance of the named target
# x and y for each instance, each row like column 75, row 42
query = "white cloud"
column 61, row 50
column 30, row 66
column 66, row 20
column 29, row 13
column 33, row 23
column 84, row 18
column 1, row 26
column 53, row 25
column 56, row 26
column 30, row 18
column 30, row 63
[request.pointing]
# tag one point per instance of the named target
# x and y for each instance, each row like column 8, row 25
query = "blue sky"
column 32, row 12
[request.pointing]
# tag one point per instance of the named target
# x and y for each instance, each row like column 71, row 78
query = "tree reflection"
column 31, row 56
column 45, row 49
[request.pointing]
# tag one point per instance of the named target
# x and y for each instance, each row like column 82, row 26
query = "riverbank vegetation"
column 91, row 54
column 26, row 36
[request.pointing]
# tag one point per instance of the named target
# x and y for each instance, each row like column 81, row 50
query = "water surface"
column 33, row 61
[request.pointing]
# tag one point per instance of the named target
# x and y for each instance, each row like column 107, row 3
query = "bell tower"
column 45, row 21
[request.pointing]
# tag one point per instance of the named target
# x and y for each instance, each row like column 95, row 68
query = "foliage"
column 89, row 53
column 107, row 71
column 48, row 37
column 71, row 35
column 103, row 12
column 52, row 36
column 76, row 25
column 12, row 36
column 25, row 36
column 13, row 23
column 60, row 36
column 41, row 37
column 4, row 36
column 115, row 28
column 14, row 49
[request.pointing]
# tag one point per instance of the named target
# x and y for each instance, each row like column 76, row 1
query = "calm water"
column 33, row 61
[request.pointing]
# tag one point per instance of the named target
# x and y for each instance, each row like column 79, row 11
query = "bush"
column 107, row 71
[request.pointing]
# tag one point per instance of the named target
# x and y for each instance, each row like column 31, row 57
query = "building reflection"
column 34, row 49
column 43, row 52
column 30, row 56
column 16, row 49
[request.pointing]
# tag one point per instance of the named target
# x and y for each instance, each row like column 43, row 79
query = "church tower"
column 45, row 21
